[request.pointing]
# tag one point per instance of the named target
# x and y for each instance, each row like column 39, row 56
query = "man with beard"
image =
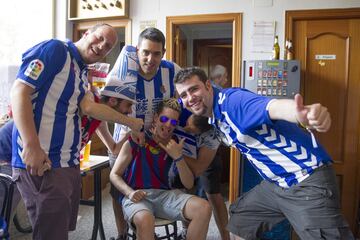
column 298, row 186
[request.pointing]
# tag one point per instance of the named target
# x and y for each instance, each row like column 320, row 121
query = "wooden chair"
column 159, row 222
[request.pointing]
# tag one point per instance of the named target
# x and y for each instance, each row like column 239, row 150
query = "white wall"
column 22, row 25
column 144, row 10
column 141, row 10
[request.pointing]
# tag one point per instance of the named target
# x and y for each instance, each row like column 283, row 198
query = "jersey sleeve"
column 245, row 109
column 42, row 62
column 208, row 139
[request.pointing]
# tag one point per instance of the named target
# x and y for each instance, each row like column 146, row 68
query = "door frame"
column 322, row 14
column 236, row 20
column 317, row 14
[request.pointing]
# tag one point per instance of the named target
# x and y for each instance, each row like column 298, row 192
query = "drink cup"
column 87, row 152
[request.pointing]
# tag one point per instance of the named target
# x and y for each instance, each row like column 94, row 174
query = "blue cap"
column 121, row 81
column 120, row 89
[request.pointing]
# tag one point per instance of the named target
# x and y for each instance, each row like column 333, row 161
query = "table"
column 95, row 164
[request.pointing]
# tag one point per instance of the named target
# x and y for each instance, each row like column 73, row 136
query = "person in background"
column 219, row 76
column 118, row 95
column 299, row 186
column 5, row 159
column 210, row 179
column 141, row 173
column 46, row 98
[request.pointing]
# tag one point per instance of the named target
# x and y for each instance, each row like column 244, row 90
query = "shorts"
column 114, row 192
column 52, row 200
column 167, row 204
column 311, row 206
column 211, row 178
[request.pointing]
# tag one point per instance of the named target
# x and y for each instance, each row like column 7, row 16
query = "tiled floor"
column 85, row 221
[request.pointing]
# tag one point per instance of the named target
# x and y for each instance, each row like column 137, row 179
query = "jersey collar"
column 216, row 113
column 75, row 54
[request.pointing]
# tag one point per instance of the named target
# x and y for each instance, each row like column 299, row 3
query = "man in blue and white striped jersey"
column 300, row 182
column 47, row 97
column 153, row 77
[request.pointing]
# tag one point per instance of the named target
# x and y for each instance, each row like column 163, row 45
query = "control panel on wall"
column 272, row 78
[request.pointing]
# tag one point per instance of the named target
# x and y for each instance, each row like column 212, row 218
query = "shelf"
column 97, row 9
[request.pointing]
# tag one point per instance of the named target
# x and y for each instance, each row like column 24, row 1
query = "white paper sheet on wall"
column 263, row 36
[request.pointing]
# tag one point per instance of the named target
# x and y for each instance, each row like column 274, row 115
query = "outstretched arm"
column 105, row 113
column 104, row 134
column 123, row 160
column 314, row 116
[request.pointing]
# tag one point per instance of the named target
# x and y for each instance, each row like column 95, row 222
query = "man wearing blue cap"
column 120, row 96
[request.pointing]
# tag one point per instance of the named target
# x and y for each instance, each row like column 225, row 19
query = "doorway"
column 326, row 42
column 178, row 51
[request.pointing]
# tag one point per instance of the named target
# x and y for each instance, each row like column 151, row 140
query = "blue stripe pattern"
column 58, row 90
column 279, row 150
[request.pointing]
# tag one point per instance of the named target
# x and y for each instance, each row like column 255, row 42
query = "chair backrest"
column 7, row 188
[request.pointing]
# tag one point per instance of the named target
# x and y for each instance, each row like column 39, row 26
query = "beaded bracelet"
column 178, row 159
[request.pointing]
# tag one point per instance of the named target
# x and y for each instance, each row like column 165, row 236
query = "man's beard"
column 200, row 113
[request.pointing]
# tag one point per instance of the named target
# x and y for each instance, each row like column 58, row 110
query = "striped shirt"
column 57, row 74
column 149, row 168
column 149, row 94
column 280, row 151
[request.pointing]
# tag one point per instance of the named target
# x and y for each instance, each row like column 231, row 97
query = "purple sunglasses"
column 165, row 119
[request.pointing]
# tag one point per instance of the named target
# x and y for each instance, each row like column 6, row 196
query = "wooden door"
column 329, row 51
column 236, row 20
column 210, row 52
column 180, row 47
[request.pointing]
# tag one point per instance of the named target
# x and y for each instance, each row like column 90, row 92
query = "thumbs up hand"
column 314, row 116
